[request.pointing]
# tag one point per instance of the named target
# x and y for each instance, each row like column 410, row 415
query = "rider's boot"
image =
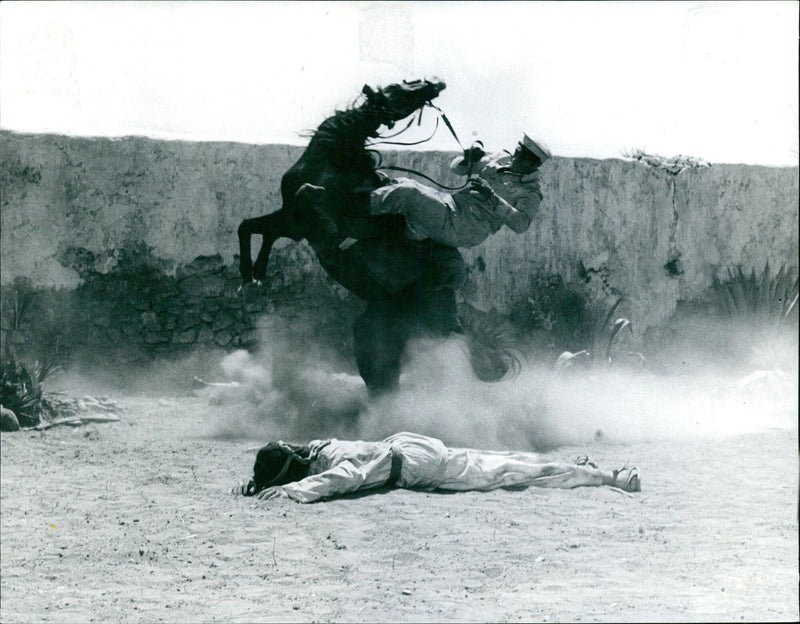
column 310, row 192
column 321, row 228
column 358, row 222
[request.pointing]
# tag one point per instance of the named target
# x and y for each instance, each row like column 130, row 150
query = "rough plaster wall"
column 180, row 199
column 625, row 221
column 730, row 215
column 621, row 219
column 610, row 216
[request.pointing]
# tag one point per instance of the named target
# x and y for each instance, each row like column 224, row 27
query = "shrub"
column 21, row 391
column 767, row 300
column 604, row 345
column 555, row 311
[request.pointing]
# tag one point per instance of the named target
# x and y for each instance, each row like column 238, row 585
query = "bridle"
column 447, row 123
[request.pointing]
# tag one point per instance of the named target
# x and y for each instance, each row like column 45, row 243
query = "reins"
column 413, row 171
column 406, row 127
column 447, row 123
column 422, row 175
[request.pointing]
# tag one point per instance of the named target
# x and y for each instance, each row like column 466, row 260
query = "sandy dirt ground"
column 132, row 522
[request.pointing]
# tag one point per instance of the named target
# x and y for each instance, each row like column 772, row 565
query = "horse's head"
column 396, row 101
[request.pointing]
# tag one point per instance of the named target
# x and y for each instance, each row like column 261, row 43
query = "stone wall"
column 655, row 237
column 133, row 240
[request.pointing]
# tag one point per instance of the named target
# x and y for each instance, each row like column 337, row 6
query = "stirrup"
column 627, row 479
column 583, row 460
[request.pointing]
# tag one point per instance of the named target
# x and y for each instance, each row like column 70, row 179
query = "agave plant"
column 606, row 333
column 15, row 304
column 18, row 302
column 22, row 392
column 767, row 298
column 608, row 330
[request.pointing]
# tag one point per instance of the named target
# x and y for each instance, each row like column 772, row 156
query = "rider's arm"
column 524, row 198
column 343, row 478
column 527, row 202
column 517, row 220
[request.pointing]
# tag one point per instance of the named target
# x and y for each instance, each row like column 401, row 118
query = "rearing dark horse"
column 409, row 286
column 335, row 158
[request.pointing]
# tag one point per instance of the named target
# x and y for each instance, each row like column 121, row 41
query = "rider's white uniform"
column 464, row 218
column 343, row 467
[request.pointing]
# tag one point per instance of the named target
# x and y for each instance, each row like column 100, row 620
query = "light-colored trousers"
column 429, row 464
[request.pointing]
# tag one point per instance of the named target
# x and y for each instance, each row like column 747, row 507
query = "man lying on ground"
column 328, row 468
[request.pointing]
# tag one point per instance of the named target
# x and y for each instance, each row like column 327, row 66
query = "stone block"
column 157, row 337
column 223, row 320
column 202, row 286
column 187, row 321
column 223, row 337
column 201, row 265
column 265, row 321
column 148, row 320
column 249, row 337
column 184, row 337
column 205, row 335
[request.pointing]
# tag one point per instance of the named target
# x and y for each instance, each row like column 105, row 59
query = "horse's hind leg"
column 247, row 228
column 271, row 227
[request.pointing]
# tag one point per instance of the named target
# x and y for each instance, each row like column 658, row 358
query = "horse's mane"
column 351, row 125
column 342, row 138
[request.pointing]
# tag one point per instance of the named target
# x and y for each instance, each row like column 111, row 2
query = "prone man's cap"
column 538, row 148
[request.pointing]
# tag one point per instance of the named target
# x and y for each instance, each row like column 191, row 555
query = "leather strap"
column 397, row 464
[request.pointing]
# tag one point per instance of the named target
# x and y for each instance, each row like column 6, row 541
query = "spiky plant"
column 607, row 331
column 764, row 299
column 17, row 302
column 22, row 392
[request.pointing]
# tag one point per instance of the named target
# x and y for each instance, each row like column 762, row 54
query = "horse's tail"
column 491, row 347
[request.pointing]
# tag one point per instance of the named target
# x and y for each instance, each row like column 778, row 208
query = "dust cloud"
column 297, row 395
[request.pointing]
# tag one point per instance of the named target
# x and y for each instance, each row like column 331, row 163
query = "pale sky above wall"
column 716, row 80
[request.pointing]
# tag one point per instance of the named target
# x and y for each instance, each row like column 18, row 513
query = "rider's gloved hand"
column 480, row 186
column 474, row 153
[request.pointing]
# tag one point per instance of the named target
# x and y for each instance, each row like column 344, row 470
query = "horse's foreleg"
column 379, row 338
